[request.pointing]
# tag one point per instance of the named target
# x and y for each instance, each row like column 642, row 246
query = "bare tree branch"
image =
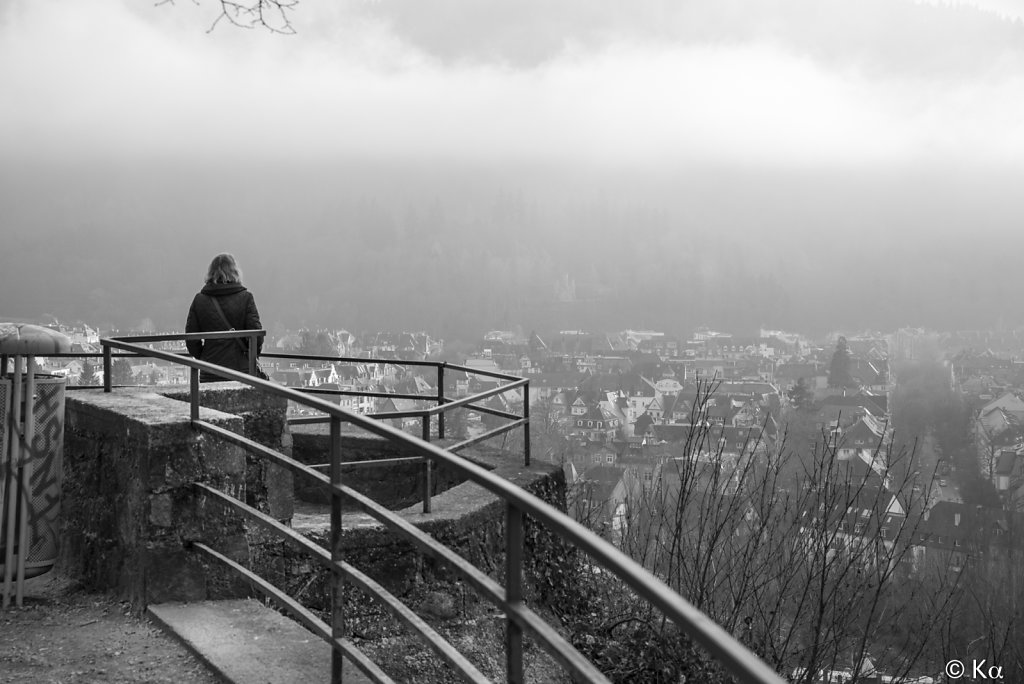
column 272, row 15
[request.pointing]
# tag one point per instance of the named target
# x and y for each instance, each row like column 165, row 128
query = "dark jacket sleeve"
column 252, row 321
column 195, row 347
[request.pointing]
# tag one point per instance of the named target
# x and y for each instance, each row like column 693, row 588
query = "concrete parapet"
column 268, row 487
column 129, row 510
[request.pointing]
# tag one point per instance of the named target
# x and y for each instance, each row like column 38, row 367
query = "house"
column 597, row 422
column 599, row 501
column 813, row 373
column 356, row 403
column 292, row 377
column 486, row 366
column 999, row 424
column 956, row 534
column 1009, row 471
column 861, row 522
column 397, row 405
column 861, row 453
column 321, row 376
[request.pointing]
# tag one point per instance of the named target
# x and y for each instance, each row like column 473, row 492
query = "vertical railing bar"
column 337, row 583
column 107, row 362
column 193, row 393
column 3, row 365
column 440, row 399
column 428, row 485
column 252, row 354
column 14, row 445
column 25, row 475
column 513, row 591
column 526, row 425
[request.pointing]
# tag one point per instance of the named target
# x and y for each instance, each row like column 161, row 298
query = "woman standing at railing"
column 223, row 304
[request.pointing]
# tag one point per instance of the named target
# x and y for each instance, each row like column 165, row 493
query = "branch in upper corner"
column 272, row 15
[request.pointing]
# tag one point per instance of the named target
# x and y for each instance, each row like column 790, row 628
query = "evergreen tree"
column 800, row 394
column 839, row 369
column 121, row 372
column 89, row 375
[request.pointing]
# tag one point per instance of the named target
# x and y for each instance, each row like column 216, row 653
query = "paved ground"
column 245, row 641
column 64, row 636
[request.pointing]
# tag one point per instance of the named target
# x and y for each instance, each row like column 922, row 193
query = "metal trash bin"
column 31, row 455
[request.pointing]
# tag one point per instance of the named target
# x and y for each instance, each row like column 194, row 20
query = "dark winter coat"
column 240, row 310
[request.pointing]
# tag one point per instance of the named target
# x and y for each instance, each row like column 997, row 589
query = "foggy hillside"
column 455, row 250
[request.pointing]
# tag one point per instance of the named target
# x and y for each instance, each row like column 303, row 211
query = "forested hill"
column 456, row 250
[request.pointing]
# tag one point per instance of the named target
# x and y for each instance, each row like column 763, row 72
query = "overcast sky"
column 780, row 83
column 807, row 87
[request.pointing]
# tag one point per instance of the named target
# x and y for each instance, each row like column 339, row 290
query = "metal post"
column 337, row 585
column 513, row 592
column 193, row 383
column 107, row 363
column 12, row 480
column 428, row 485
column 252, row 354
column 526, row 425
column 440, row 400
column 25, row 476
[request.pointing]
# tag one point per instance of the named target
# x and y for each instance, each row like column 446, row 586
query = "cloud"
column 98, row 80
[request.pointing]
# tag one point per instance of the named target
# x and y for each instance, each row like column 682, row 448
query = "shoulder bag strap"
column 225, row 321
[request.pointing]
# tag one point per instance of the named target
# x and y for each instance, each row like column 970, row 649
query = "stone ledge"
column 466, row 518
column 458, row 504
column 138, row 405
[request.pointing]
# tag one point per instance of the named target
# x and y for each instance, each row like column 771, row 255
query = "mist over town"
column 758, row 263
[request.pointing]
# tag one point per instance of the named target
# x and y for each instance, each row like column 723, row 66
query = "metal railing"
column 444, row 403
column 520, row 619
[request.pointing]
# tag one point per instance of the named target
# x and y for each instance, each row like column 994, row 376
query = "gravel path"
column 64, row 636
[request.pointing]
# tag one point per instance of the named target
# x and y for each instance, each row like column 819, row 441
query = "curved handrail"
column 722, row 645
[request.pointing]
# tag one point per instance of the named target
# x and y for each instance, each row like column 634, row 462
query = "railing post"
column 106, row 368
column 193, row 392
column 428, row 485
column 252, row 354
column 513, row 592
column 526, row 425
column 337, row 584
column 440, row 399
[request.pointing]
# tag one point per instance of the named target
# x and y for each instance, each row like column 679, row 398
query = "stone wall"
column 268, row 487
column 464, row 516
column 394, row 486
column 130, row 512
column 129, row 509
